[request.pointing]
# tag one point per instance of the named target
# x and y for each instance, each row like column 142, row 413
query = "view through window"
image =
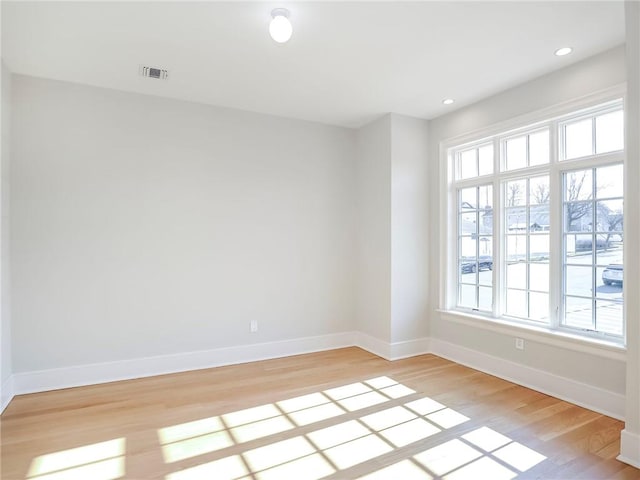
column 540, row 227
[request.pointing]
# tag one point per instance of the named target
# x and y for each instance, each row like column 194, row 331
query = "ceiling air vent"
column 153, row 72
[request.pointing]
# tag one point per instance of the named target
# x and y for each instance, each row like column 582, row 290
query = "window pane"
column 578, row 217
column 578, row 313
column 475, row 244
column 609, row 181
column 517, row 275
column 516, row 193
column 578, row 138
column 516, row 153
column 612, row 258
column 468, row 199
column 467, row 248
column 485, row 299
column 609, row 317
column 609, row 216
column 485, row 157
column 468, row 223
column 467, row 296
column 609, row 282
column 609, row 132
column 486, row 252
column 485, row 273
column 468, row 268
column 467, row 164
column 579, row 185
column 578, row 249
column 539, row 190
column 539, row 277
column 517, row 303
column 516, row 220
column 485, row 194
column 538, row 306
column 486, row 223
column 516, row 248
column 538, row 247
column 539, row 218
column 539, row 148
column 578, row 280
column 486, row 213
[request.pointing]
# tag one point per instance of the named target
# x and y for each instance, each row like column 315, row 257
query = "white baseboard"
column 392, row 351
column 57, row 378
column 7, row 393
column 373, row 345
column 629, row 448
column 410, row 348
column 602, row 401
column 599, row 400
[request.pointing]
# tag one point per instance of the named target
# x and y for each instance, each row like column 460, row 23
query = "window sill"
column 593, row 346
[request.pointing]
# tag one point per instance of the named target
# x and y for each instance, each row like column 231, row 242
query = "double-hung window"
column 539, row 226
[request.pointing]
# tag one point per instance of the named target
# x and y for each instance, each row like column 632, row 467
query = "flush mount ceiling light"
column 561, row 52
column 280, row 27
column 448, row 101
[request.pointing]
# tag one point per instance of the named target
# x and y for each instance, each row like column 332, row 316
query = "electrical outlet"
column 520, row 343
column 253, row 326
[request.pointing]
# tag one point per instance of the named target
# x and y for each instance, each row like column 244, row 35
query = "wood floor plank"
column 312, row 416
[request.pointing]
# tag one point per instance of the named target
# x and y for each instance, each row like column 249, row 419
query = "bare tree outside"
column 574, row 190
column 540, row 193
column 514, row 193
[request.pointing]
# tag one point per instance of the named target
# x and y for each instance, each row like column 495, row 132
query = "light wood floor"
column 353, row 415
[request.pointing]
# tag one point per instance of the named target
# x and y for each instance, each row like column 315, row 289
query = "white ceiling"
column 347, row 63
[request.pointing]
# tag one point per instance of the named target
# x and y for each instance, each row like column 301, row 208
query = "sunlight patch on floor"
column 486, row 438
column 424, row 406
column 228, row 468
column 357, row 451
column 192, row 447
column 447, row 456
column 388, row 418
column 316, row 414
column 447, row 418
column 364, row 400
column 409, row 432
column 262, row 428
column 278, row 453
column 190, row 430
column 404, row 470
column 346, row 391
column 250, row 415
column 311, row 467
column 303, row 402
column 99, row 461
column 481, row 453
column 519, row 456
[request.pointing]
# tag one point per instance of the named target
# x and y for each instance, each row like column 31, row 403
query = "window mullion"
column 556, row 214
column 497, row 251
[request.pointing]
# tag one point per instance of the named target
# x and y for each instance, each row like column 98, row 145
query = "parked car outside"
column 613, row 274
column 469, row 265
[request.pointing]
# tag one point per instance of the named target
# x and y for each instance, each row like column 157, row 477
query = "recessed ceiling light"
column 448, row 101
column 561, row 52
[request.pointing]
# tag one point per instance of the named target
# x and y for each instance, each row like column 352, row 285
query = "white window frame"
column 552, row 118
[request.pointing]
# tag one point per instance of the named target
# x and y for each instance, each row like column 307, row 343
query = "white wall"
column 392, row 217
column 409, row 228
column 373, row 281
column 597, row 73
column 5, row 269
column 630, row 437
column 143, row 226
